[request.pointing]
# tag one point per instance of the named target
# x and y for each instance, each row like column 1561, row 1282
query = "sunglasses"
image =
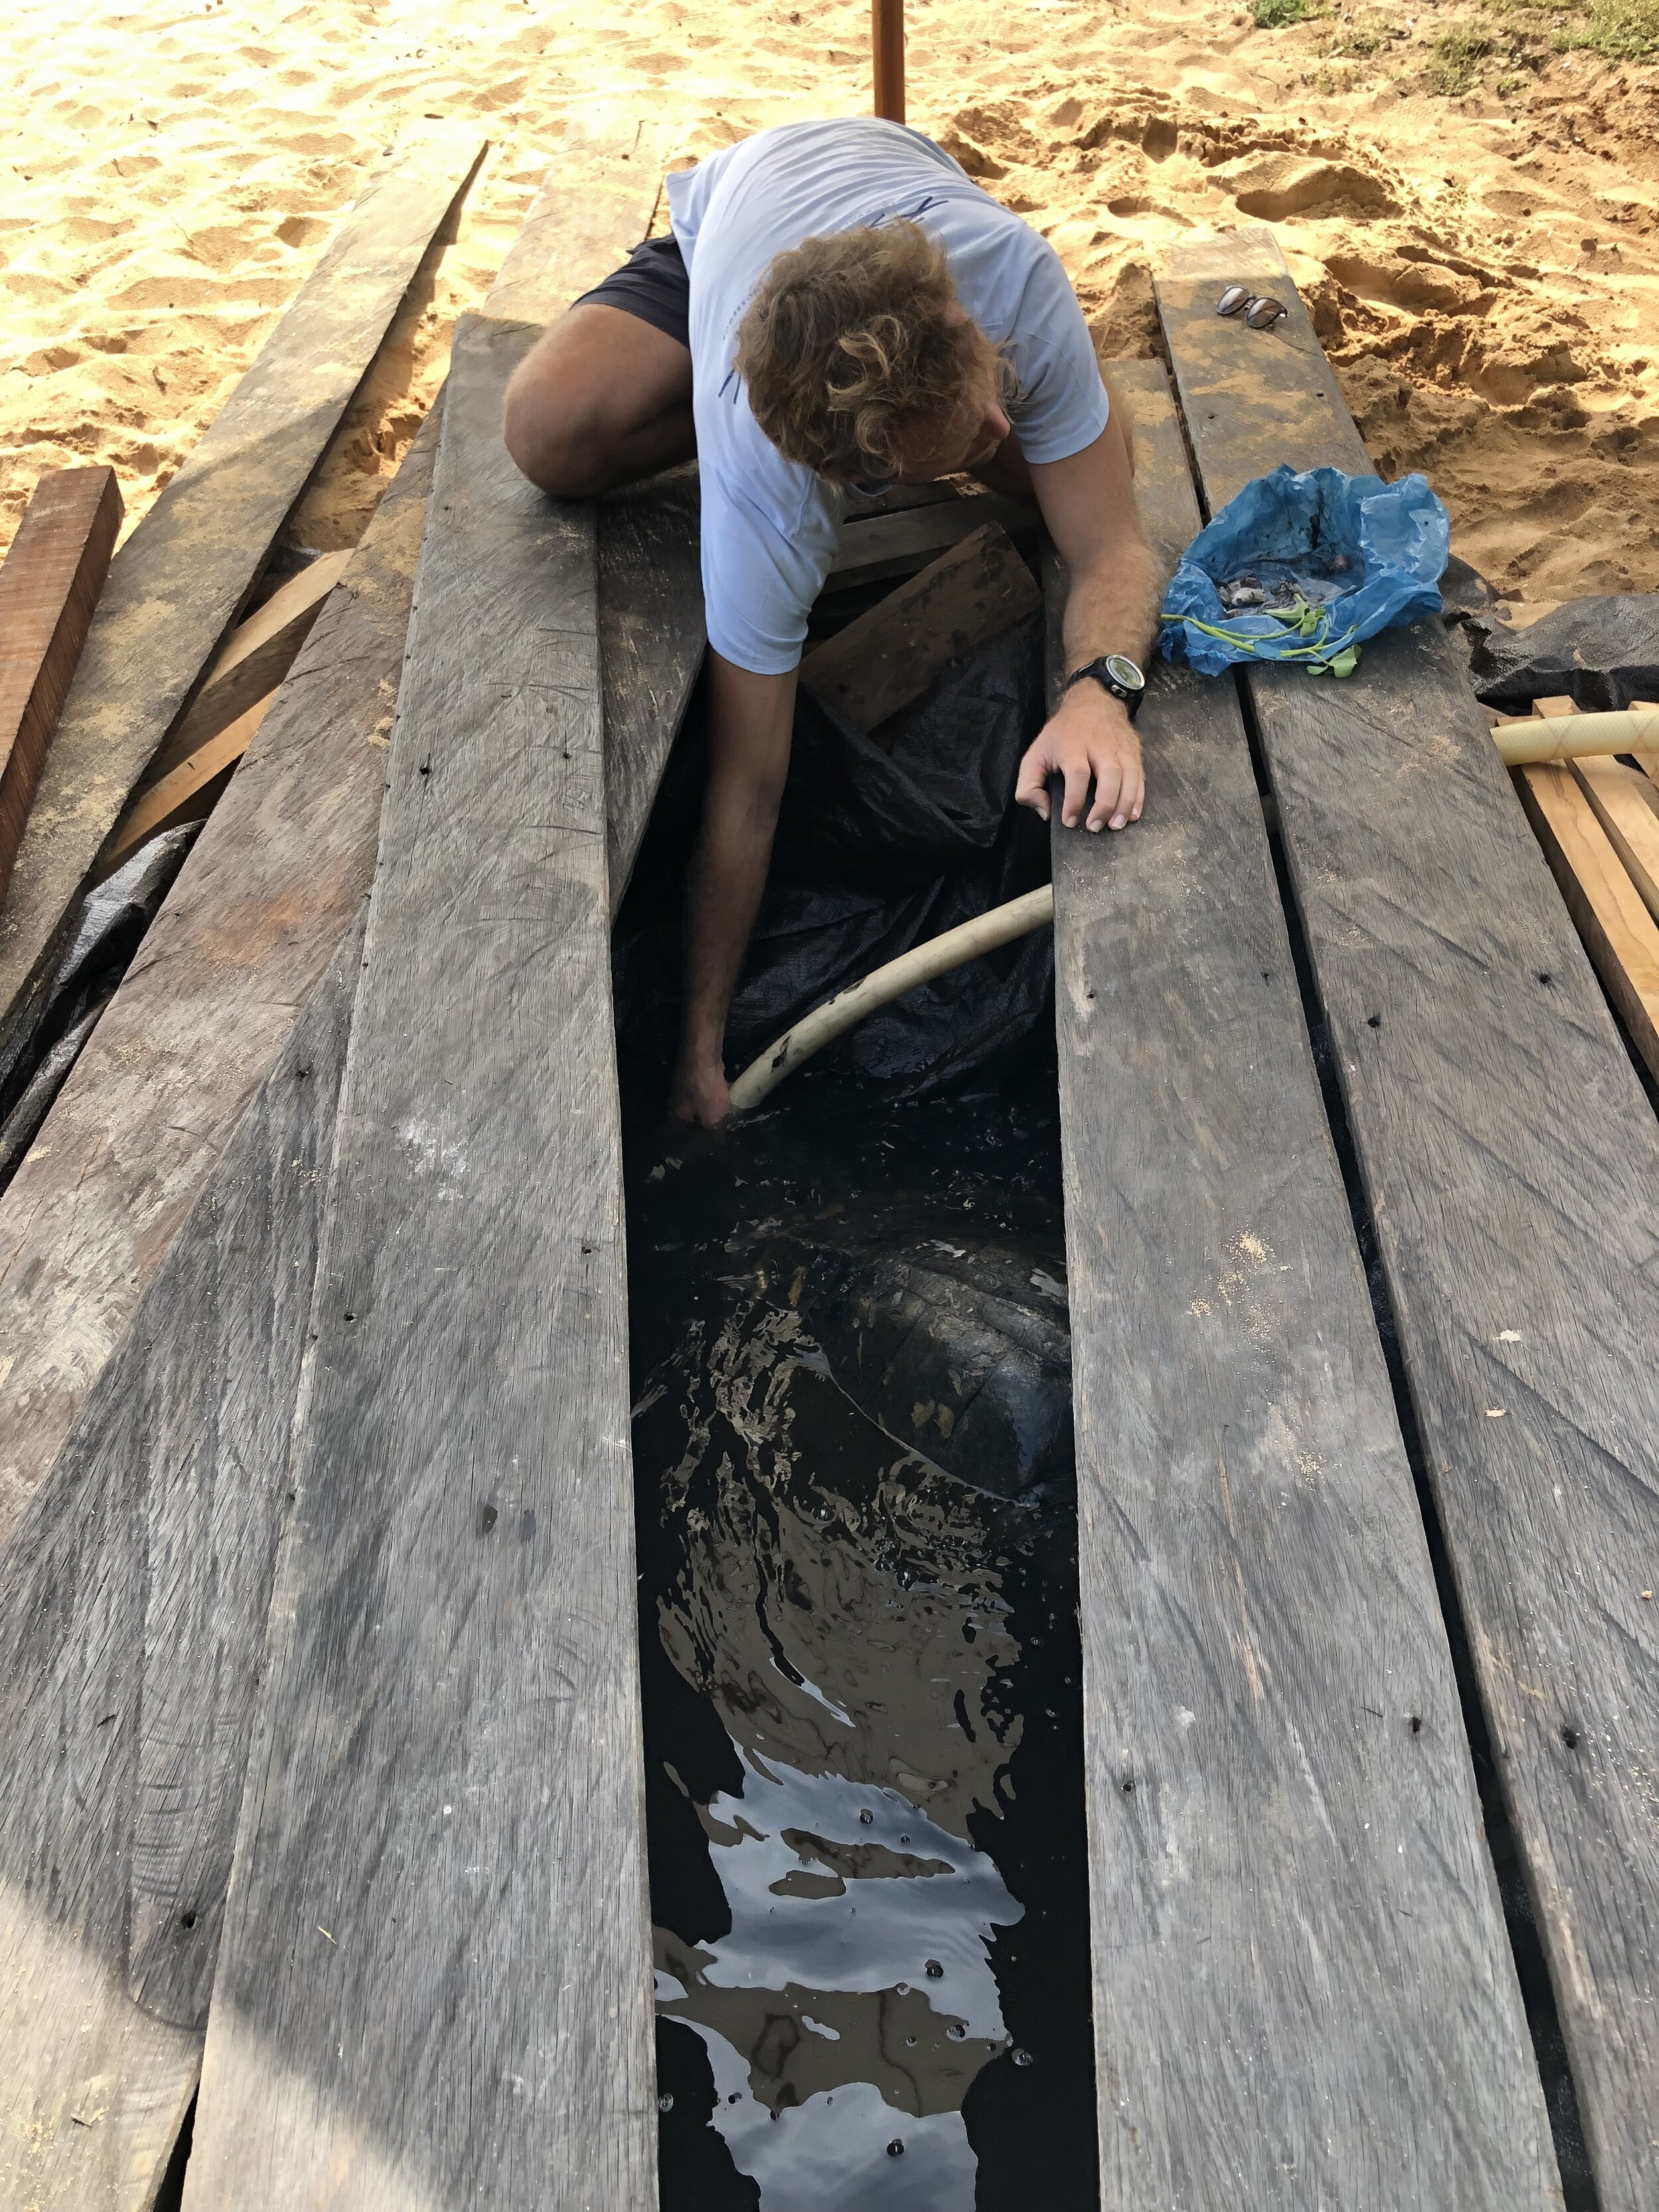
column 1259, row 312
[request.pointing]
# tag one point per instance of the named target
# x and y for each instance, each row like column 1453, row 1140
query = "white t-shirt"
column 770, row 526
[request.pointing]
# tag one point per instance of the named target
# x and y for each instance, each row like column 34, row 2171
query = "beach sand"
column 1477, row 231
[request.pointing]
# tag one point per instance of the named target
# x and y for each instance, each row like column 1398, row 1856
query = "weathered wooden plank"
column 250, row 925
column 591, row 209
column 1597, row 833
column 1510, row 1159
column 200, row 1619
column 1619, row 932
column 651, row 646
column 897, row 544
column 255, row 659
column 48, row 589
column 1295, row 1923
column 889, row 656
column 185, row 572
column 447, row 1774
column 208, row 1004
column 130, row 1632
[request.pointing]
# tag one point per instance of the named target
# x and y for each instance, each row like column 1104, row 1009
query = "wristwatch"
column 1116, row 673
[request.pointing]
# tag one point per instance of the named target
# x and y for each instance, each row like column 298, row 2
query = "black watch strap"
column 1116, row 673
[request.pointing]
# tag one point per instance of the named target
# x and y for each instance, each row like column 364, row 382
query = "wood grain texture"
column 253, row 663
column 1619, row 932
column 1509, row 1159
column 1304, row 1993
column 651, row 646
column 187, row 793
column 435, row 1980
column 898, row 542
column 208, row 1004
column 130, row 1633
column 1625, row 803
column 49, row 587
column 888, row 657
column 592, row 208
column 153, row 1535
column 185, row 572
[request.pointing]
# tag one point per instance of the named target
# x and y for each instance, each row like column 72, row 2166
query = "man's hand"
column 700, row 1093
column 1088, row 740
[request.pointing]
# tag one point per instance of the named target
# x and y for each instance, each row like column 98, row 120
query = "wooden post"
column 887, row 39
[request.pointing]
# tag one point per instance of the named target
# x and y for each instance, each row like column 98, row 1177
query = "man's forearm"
column 725, row 885
column 750, row 719
column 1112, row 604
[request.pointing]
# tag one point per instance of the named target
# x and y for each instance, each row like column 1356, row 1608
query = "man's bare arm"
column 1089, row 505
column 751, row 718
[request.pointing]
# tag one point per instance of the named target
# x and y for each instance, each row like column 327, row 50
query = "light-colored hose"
column 919, row 965
column 1578, row 736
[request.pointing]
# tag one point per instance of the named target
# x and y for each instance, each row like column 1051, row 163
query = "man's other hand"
column 1088, row 740
column 700, row 1093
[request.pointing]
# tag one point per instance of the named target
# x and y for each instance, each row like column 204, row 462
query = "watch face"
column 1122, row 670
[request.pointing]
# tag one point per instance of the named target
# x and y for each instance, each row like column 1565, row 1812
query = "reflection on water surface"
column 863, row 1750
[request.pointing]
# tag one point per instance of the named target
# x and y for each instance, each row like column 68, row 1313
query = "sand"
column 1478, row 232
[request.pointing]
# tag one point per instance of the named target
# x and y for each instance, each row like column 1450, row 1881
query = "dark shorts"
column 653, row 283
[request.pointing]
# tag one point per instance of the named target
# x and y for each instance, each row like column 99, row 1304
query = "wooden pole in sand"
column 887, row 39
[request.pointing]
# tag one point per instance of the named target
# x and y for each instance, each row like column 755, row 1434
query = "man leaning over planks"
column 840, row 306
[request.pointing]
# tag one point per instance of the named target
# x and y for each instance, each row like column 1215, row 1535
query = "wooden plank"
column 130, row 1634
column 178, row 1560
column 1619, row 932
column 1625, row 803
column 651, row 646
column 247, row 930
column 592, row 208
column 189, row 772
column 208, row 1004
column 898, row 543
column 253, row 664
column 1509, row 1158
column 1596, row 832
column 1294, row 1920
column 889, row 656
column 447, row 1777
column 48, row 589
column 185, row 794
column 185, row 572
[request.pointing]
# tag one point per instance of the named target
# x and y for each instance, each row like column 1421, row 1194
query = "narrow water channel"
column 858, row 1614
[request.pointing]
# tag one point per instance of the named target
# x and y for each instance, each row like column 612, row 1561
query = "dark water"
column 862, row 1711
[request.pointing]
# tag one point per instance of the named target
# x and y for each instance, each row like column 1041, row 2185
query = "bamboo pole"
column 887, row 39
column 879, row 988
column 1523, row 744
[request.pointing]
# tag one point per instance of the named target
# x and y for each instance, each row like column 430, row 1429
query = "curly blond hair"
column 855, row 347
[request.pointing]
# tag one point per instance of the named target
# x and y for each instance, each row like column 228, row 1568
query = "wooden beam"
column 157, row 1370
column 207, row 1006
column 481, row 1754
column 184, row 574
column 1509, row 1158
column 250, row 667
column 1602, row 842
column 591, row 209
column 48, row 589
column 898, row 543
column 887, row 42
column 1618, row 930
column 1291, row 1903
column 130, row 1638
column 889, row 655
column 189, row 773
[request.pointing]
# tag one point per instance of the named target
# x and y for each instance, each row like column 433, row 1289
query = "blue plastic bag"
column 1301, row 565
